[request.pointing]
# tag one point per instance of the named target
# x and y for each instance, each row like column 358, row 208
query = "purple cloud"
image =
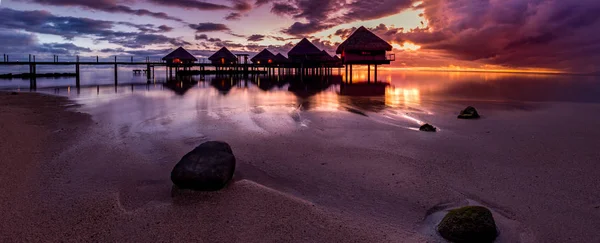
column 208, row 27
column 106, row 6
column 70, row 27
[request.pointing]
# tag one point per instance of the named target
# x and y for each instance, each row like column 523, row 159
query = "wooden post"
column 346, row 73
column 131, row 59
column 34, row 76
column 31, row 77
column 29, row 57
column 369, row 73
column 148, row 74
column 351, row 73
column 77, row 78
column 4, row 58
column 375, row 73
column 97, row 59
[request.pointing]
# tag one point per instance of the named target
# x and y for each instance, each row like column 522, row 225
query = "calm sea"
column 406, row 86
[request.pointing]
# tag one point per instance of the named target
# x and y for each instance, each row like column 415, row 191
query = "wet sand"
column 304, row 176
column 63, row 180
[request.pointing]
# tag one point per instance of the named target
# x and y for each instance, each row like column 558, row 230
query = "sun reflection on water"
column 401, row 97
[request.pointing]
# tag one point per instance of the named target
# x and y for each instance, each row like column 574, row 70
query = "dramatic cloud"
column 190, row 4
column 513, row 33
column 239, row 6
column 255, row 38
column 548, row 34
column 206, row 38
column 301, row 29
column 234, row 16
column 62, row 48
column 284, row 9
column 148, row 28
column 70, row 27
column 17, row 42
column 106, row 6
column 318, row 15
column 208, row 27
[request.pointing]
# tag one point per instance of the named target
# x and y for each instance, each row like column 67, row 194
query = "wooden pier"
column 304, row 59
column 172, row 69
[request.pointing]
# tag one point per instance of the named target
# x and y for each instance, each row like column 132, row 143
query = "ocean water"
column 406, row 86
column 277, row 103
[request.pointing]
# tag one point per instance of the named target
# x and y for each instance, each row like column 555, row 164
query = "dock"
column 304, row 59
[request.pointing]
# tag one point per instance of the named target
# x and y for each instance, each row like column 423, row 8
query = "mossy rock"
column 469, row 113
column 471, row 224
column 428, row 128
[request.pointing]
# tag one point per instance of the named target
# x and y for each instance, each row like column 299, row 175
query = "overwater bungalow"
column 265, row 57
column 337, row 61
column 330, row 61
column 280, row 59
column 365, row 48
column 180, row 56
column 305, row 53
column 223, row 57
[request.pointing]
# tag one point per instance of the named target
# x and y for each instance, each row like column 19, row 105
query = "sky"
column 522, row 35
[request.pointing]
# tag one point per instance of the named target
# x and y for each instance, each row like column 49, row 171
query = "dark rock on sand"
column 209, row 167
column 469, row 224
column 14, row 93
column 428, row 128
column 469, row 113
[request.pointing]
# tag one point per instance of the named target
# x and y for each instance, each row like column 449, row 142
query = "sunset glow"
column 407, row 46
column 429, row 34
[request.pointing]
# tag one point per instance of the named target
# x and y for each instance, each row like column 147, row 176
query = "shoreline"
column 74, row 193
column 344, row 177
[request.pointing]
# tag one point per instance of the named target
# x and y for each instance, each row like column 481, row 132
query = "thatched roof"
column 304, row 47
column 325, row 57
column 223, row 53
column 180, row 54
column 264, row 56
column 279, row 59
column 364, row 40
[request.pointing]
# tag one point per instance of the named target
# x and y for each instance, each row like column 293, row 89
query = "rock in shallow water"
column 428, row 128
column 469, row 113
column 209, row 167
column 469, row 224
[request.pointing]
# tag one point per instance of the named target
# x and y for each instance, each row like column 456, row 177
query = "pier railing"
column 22, row 58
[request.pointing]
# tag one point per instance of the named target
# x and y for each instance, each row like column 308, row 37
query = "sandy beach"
column 100, row 172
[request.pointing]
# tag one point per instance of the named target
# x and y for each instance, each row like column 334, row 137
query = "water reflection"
column 275, row 104
column 406, row 90
column 400, row 97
